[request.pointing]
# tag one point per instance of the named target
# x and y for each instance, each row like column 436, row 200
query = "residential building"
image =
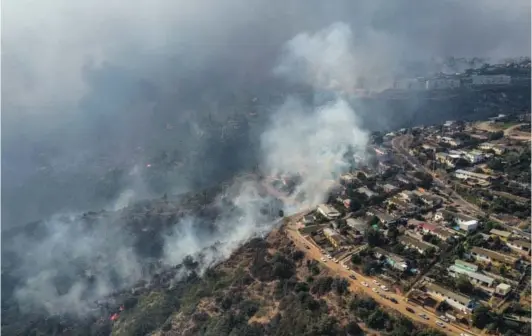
column 389, row 188
column 366, row 191
column 328, row 211
column 491, row 79
column 474, row 277
column 421, row 246
column 442, row 84
column 383, row 217
column 466, row 265
column 519, row 245
column 334, row 237
column 438, row 231
column 467, row 225
column 391, row 259
column 465, row 174
column 309, row 219
column 474, row 156
column 451, row 141
column 485, row 255
column 458, row 301
column 357, row 225
column 503, row 235
column 503, row 289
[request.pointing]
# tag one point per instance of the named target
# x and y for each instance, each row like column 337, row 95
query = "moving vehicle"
column 376, row 282
column 395, row 301
column 384, row 288
column 365, row 284
column 375, row 290
column 323, row 259
column 443, row 318
column 410, row 310
column 440, row 324
column 424, row 316
column 353, row 277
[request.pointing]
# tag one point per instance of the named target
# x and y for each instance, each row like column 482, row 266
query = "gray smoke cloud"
column 91, row 86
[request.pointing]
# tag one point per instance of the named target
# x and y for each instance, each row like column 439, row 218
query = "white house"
column 474, row 277
column 465, row 174
column 503, row 289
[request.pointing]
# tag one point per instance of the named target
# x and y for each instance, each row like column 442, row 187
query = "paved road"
column 356, row 285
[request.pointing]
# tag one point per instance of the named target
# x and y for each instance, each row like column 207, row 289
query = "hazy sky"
column 86, row 77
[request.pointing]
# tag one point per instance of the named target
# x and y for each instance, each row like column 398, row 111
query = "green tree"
column 464, row 285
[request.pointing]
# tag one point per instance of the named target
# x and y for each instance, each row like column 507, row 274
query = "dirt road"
column 509, row 132
column 356, row 285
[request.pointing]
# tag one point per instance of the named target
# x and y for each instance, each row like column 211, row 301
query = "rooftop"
column 520, row 243
column 417, row 243
column 471, row 274
column 500, row 233
column 494, row 255
column 432, row 287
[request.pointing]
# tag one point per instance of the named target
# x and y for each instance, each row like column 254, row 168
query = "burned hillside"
column 66, row 267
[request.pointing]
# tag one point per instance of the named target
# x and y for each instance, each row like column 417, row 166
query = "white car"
column 375, row 290
column 335, row 260
column 365, row 284
column 329, row 256
column 344, row 265
column 323, row 259
column 376, row 282
column 384, row 288
column 440, row 324
column 464, row 334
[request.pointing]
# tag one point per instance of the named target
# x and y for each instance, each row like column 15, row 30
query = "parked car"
column 410, row 310
column 444, row 318
column 395, row 301
column 353, row 277
column 384, row 288
column 440, row 324
column 365, row 284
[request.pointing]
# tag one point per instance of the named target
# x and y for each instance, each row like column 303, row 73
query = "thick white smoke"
column 312, row 141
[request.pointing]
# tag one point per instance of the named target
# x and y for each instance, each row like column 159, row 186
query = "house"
column 519, row 245
column 334, row 237
column 466, row 265
column 491, row 79
column 474, row 277
column 451, row 141
column 438, row 231
column 442, row 84
column 474, row 156
column 391, row 259
column 503, row 235
column 403, row 179
column 465, row 174
column 458, row 301
column 503, row 289
column 357, row 225
column 383, row 217
column 328, row 211
column 309, row 219
column 464, row 222
column 399, row 203
column 388, row 188
column 421, row 246
column 366, row 191
column 489, row 256
column 430, row 200
column 443, row 233
column 446, row 159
